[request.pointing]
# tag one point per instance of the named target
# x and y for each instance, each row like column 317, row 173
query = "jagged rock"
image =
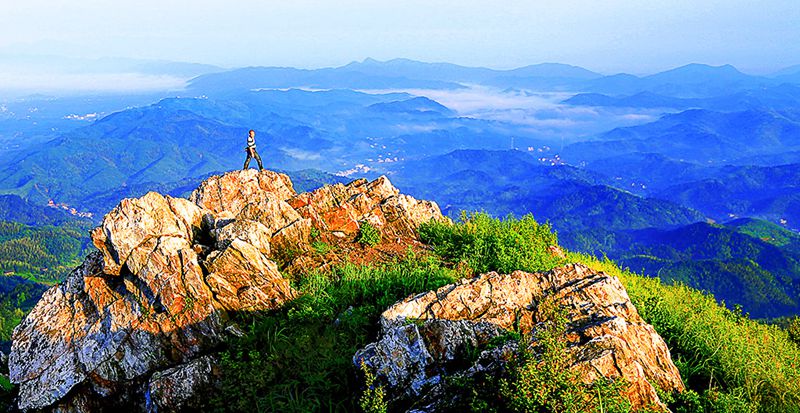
column 242, row 278
column 339, row 208
column 135, row 324
column 233, row 191
column 423, row 337
column 135, row 224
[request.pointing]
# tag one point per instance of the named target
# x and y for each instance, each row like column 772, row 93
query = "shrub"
column 368, row 235
column 371, row 400
column 541, row 380
column 488, row 244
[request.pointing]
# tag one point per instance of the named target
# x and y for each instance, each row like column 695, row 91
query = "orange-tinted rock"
column 340, row 208
column 234, row 190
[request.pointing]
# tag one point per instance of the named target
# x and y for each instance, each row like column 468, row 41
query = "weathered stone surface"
column 234, row 190
column 182, row 388
column 341, row 208
column 135, row 324
column 423, row 335
column 137, row 223
column 242, row 278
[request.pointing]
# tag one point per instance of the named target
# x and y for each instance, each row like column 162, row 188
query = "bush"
column 487, row 244
column 368, row 235
column 541, row 380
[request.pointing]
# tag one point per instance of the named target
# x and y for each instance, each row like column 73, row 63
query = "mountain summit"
column 137, row 323
column 140, row 324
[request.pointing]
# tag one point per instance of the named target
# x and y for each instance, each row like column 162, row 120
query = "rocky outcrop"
column 425, row 338
column 138, row 322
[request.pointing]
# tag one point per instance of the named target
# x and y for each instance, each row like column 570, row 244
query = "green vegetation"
column 768, row 232
column 43, row 254
column 300, row 357
column 31, row 258
column 541, row 381
column 18, row 296
column 368, row 235
column 487, row 244
column 732, row 362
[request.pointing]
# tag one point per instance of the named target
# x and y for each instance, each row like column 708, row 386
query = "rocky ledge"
column 138, row 323
column 427, row 337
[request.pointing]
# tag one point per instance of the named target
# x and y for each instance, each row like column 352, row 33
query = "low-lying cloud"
column 540, row 110
column 65, row 83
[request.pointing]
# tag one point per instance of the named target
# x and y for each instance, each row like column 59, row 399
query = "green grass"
column 299, row 358
column 726, row 357
column 487, row 244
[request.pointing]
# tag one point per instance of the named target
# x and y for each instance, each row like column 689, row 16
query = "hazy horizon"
column 620, row 36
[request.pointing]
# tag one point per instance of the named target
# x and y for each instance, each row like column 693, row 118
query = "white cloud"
column 301, row 155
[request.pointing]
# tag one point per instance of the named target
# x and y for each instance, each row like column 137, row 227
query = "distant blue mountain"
column 255, row 78
column 791, row 70
column 417, row 105
column 689, row 81
column 451, row 72
column 783, row 96
column 699, row 136
column 790, row 74
column 397, row 73
column 769, row 192
column 177, row 140
column 515, row 182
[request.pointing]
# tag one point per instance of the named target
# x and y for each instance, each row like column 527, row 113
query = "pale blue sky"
column 604, row 35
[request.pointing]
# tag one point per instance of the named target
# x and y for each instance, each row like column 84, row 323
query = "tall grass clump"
column 731, row 362
column 487, row 244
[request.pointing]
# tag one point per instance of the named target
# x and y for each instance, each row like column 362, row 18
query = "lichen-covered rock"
column 423, row 337
column 136, row 323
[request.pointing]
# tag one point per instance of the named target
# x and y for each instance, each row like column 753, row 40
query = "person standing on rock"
column 251, row 151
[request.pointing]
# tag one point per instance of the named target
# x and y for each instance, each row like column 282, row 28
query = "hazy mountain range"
column 679, row 153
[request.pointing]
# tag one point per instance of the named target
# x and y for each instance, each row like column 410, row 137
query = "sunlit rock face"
column 427, row 337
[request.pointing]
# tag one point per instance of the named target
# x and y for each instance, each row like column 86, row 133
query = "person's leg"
column 247, row 161
column 258, row 159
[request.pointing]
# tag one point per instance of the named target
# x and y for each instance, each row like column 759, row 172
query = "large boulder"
column 424, row 337
column 138, row 323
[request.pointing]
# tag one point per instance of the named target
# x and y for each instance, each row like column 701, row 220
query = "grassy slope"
column 299, row 358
